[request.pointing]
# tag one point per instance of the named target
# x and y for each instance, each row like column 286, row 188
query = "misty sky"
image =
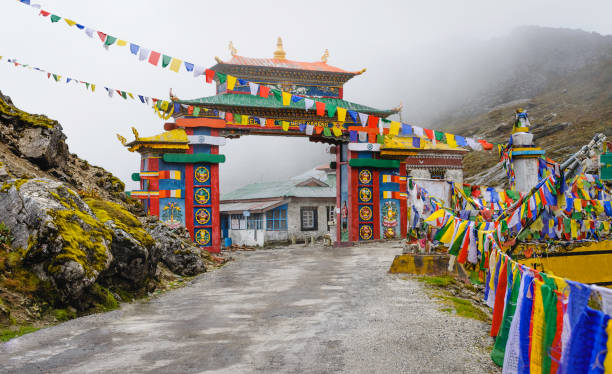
column 395, row 40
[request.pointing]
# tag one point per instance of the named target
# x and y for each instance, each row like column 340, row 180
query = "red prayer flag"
column 320, row 108
column 44, row 13
column 48, row 75
column 264, row 91
column 102, row 35
column 429, row 133
column 318, row 129
column 210, row 75
column 371, row 137
column 500, row 296
column 485, row 144
column 190, row 109
column 154, row 58
column 373, row 122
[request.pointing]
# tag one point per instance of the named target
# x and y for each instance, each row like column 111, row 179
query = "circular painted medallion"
column 202, row 196
column 202, row 174
column 202, row 237
column 202, row 216
column 365, row 232
column 365, row 194
column 365, row 176
column 365, row 213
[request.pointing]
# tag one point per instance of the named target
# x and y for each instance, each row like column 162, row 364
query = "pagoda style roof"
column 287, row 64
column 227, row 102
column 169, row 140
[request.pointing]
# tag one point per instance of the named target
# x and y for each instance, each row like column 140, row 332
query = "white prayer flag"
column 308, row 103
column 89, row 32
column 198, row 70
column 363, row 118
column 262, row 122
column 254, row 88
column 143, row 54
column 363, row 136
column 418, row 131
column 147, row 99
column 222, row 115
column 309, row 129
column 474, row 144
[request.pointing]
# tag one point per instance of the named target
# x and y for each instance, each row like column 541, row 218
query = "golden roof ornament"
column 279, row 53
column 325, row 56
column 233, row 50
column 135, row 132
column 121, row 139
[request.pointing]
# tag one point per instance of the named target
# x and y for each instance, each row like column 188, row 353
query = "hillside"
column 564, row 116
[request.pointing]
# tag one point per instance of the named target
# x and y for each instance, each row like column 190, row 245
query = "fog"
column 424, row 55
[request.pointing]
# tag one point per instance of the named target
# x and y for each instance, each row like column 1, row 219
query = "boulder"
column 43, row 146
column 57, row 233
column 176, row 248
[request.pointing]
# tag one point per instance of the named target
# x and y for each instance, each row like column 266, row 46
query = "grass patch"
column 463, row 308
column 10, row 333
column 441, row 281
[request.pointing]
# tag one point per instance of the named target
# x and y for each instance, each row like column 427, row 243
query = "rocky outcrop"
column 75, row 243
column 176, row 248
column 57, row 233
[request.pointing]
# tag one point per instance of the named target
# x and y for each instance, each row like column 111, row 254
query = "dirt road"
column 289, row 310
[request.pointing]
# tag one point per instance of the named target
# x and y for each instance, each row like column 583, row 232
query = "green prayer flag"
column 166, row 60
column 499, row 349
column 549, row 299
column 439, row 136
column 123, row 94
column 467, row 190
column 456, row 245
column 221, row 77
column 567, row 225
column 237, row 118
column 55, row 18
column 110, row 40
column 441, row 231
column 326, row 131
column 514, row 195
column 56, row 77
column 385, row 120
column 87, row 85
column 277, row 95
column 380, row 139
column 331, row 110
column 196, row 111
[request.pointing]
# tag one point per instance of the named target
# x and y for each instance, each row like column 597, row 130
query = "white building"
column 269, row 212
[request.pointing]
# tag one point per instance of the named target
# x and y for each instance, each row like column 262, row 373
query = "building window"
column 276, row 219
column 309, row 218
column 238, row 222
column 437, row 173
column 331, row 215
column 255, row 221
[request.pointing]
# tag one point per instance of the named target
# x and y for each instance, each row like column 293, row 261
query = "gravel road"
column 288, row 310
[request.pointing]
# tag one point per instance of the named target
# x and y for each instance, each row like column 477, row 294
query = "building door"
column 224, row 226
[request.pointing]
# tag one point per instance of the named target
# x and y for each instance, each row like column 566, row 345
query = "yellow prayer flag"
column 537, row 330
column 244, row 120
column 450, row 140
column 341, row 114
column 164, row 105
column 69, row 22
column 175, row 64
column 608, row 360
column 121, row 43
column 574, row 229
column 285, row 125
column 130, row 95
column 578, row 205
column 286, row 98
column 231, row 82
column 435, row 215
column 448, row 234
column 337, row 131
column 93, row 87
column 394, row 128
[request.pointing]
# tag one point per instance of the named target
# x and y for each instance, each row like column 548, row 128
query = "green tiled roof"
column 282, row 189
column 246, row 100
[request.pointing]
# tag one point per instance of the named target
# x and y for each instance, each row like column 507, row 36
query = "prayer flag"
column 134, row 48
column 363, row 118
column 188, row 66
column 264, row 91
column 337, row 131
column 394, row 128
column 89, row 32
column 286, row 98
column 175, row 64
column 331, row 110
column 121, row 43
column 144, row 54
column 406, row 129
column 308, row 103
column 101, row 35
column 55, row 18
column 166, row 60
column 154, row 57
column 450, row 140
column 210, row 75
column 341, row 114
column 285, row 125
column 418, row 131
column 199, row 70
column 231, row 82
column 320, row 108
column 253, row 87
column 373, row 122
column 69, row 22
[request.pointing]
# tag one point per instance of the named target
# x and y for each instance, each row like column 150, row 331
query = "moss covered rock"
column 57, row 234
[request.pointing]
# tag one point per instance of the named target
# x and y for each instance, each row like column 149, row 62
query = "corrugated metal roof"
column 255, row 206
column 282, row 189
column 287, row 64
column 246, row 100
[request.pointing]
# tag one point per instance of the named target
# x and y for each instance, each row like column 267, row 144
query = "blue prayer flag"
column 242, row 81
column 296, row 98
column 188, row 66
column 406, row 129
column 416, row 142
column 353, row 136
column 460, row 141
column 134, row 48
column 353, row 115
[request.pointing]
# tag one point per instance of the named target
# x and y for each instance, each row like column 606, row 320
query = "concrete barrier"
column 426, row 264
